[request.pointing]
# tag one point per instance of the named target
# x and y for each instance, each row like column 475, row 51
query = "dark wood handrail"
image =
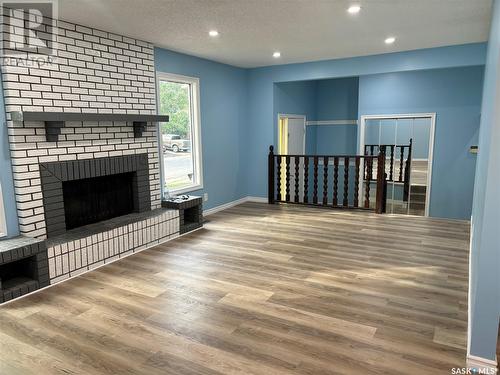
column 330, row 157
column 388, row 145
column 285, row 173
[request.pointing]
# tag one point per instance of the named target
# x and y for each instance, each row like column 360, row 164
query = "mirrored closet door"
column 406, row 142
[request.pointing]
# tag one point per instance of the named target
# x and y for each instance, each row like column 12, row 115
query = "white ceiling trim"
column 332, row 122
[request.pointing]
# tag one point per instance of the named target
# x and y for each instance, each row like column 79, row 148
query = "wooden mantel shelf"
column 77, row 116
column 54, row 121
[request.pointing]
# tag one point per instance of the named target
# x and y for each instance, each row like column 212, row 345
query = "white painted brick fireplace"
column 93, row 72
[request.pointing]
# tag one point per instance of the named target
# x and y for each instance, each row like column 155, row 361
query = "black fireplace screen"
column 91, row 200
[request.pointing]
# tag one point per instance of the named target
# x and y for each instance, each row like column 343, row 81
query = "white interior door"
column 296, row 136
column 295, row 128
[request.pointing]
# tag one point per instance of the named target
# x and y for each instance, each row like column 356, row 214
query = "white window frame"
column 3, row 221
column 196, row 150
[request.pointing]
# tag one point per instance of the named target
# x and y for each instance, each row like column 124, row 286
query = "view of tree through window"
column 175, row 101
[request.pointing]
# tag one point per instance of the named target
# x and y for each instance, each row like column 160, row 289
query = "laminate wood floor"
column 260, row 290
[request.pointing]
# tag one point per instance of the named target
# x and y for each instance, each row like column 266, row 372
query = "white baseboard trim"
column 236, row 202
column 483, row 365
column 257, row 199
column 224, row 206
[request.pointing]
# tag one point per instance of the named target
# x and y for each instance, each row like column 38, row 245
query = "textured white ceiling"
column 303, row 30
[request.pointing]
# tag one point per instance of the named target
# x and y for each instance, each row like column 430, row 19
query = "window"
column 178, row 97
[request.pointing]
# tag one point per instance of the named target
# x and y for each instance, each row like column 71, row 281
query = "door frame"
column 294, row 116
column 432, row 116
column 280, row 152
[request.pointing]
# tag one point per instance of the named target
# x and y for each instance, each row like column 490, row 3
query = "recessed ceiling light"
column 390, row 40
column 213, row 33
column 277, row 54
column 354, row 9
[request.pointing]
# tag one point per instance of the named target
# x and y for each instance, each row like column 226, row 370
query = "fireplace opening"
column 15, row 274
column 91, row 200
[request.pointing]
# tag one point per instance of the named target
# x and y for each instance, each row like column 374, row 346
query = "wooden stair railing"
column 404, row 162
column 359, row 167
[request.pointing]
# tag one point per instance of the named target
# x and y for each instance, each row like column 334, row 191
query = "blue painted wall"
column 455, row 96
column 6, row 176
column 223, row 106
column 321, row 100
column 484, row 286
column 336, row 139
column 261, row 115
column 337, row 99
column 297, row 98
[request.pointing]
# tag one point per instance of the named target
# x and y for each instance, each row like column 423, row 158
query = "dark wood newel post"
column 270, row 178
column 380, row 204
